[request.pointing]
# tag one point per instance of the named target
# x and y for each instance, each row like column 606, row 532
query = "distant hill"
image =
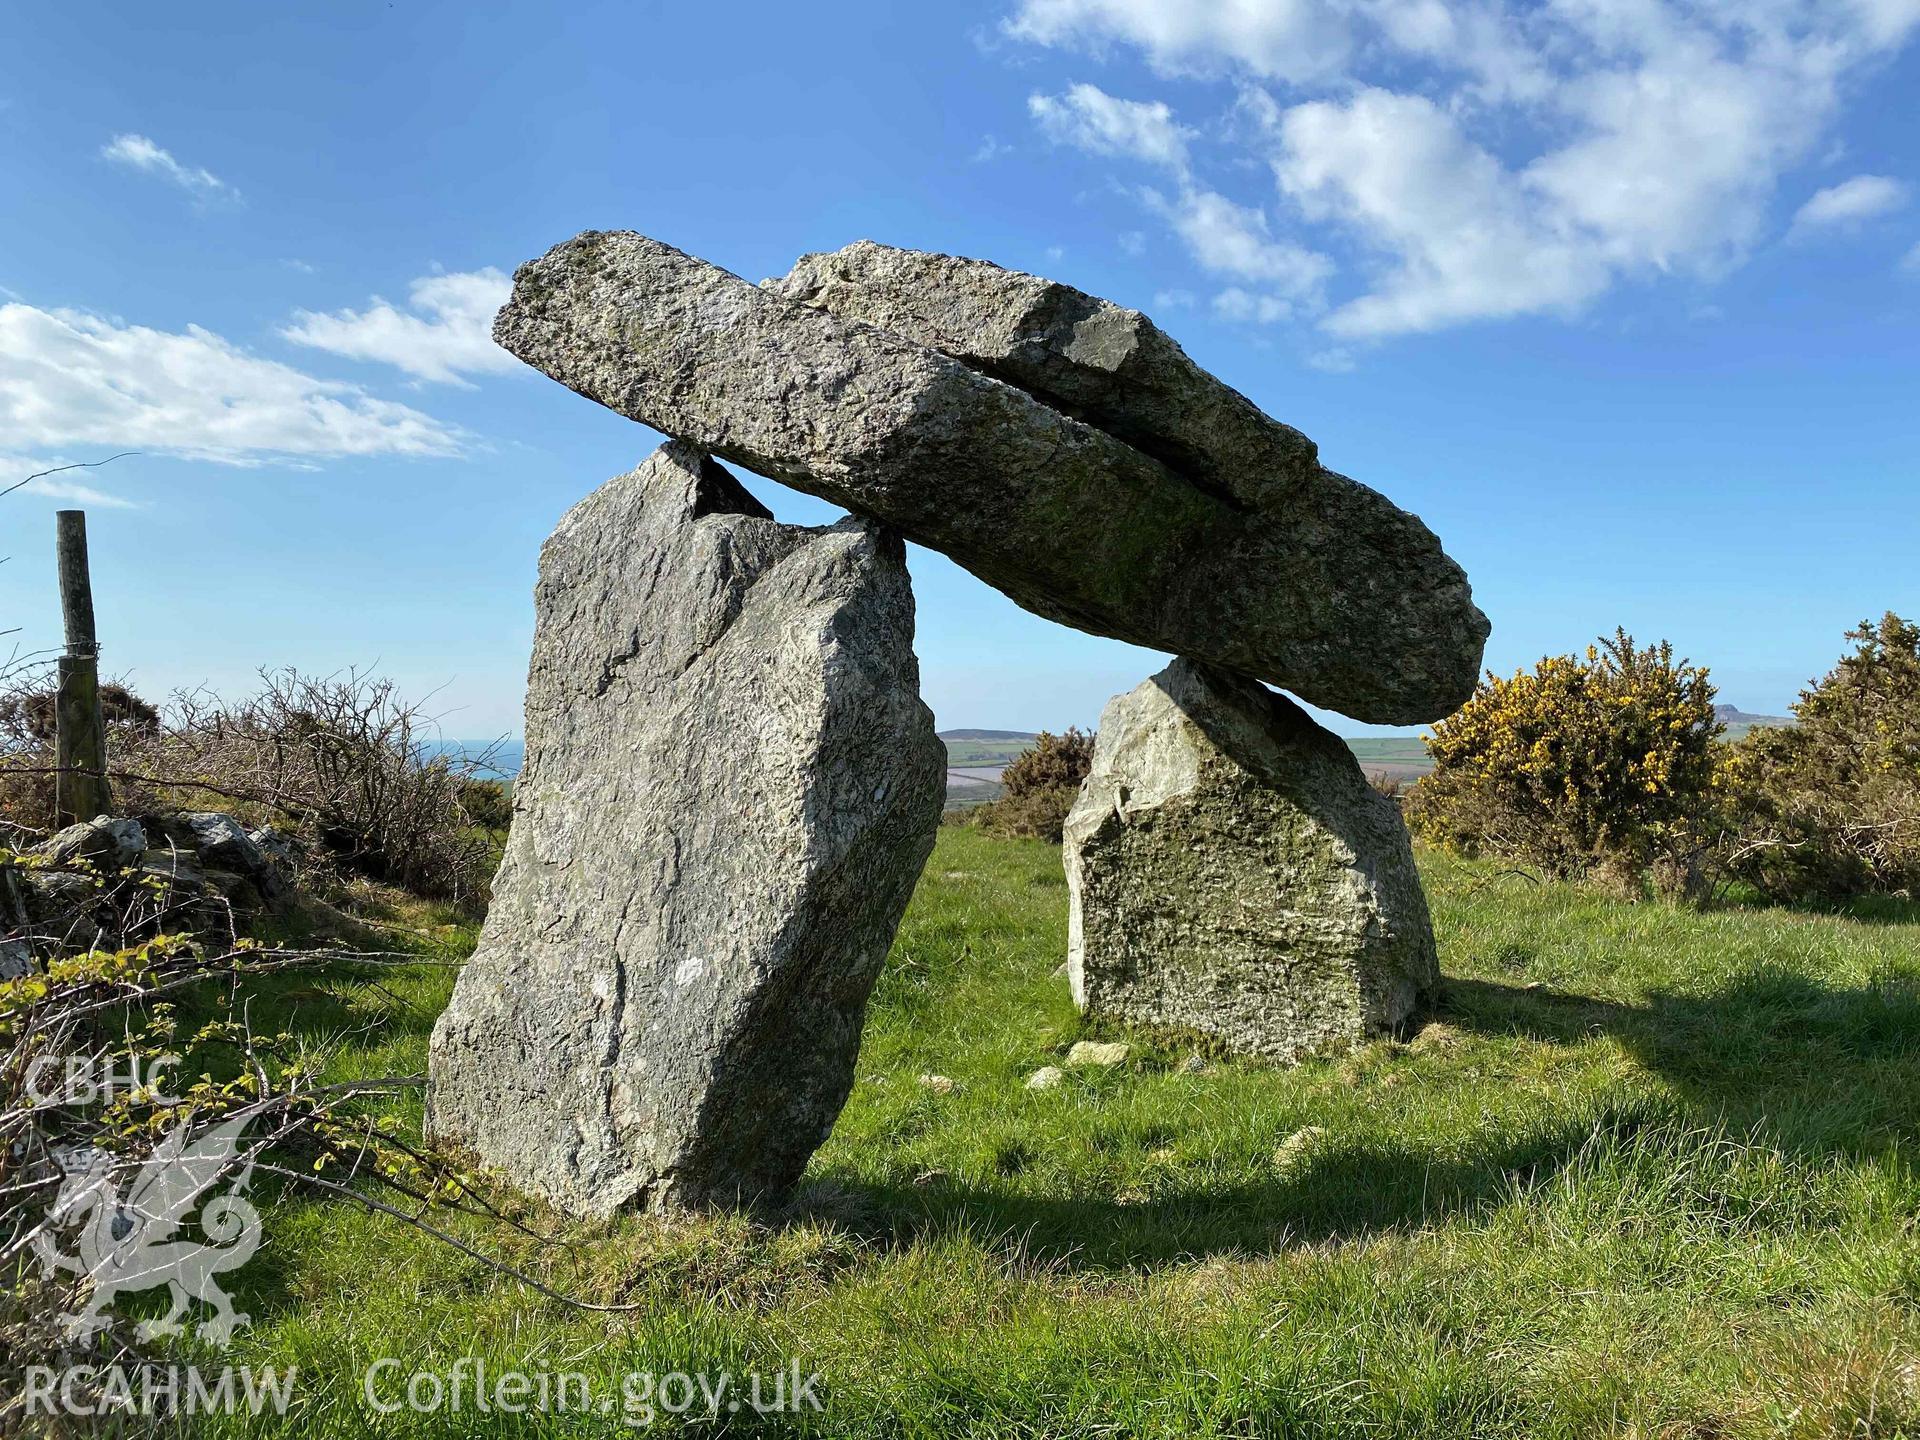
column 1739, row 722
column 977, row 755
column 985, row 747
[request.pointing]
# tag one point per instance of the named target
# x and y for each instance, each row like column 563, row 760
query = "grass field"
column 984, row 752
column 1648, row 1172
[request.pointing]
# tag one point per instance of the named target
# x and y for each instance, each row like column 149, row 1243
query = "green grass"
column 1648, row 1172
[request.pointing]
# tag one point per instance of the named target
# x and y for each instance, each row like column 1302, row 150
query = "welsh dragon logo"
column 126, row 1241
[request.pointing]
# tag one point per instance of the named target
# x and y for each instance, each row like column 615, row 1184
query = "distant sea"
column 506, row 758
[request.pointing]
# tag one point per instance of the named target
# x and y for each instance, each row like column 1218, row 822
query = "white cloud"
column 1910, row 262
column 1464, row 240
column 1293, row 40
column 1183, row 299
column 137, row 152
column 1476, row 38
column 76, row 494
column 1681, row 152
column 1223, row 237
column 1337, row 361
column 69, row 379
column 1246, row 307
column 990, row 149
column 1498, row 158
column 1851, row 201
column 1235, row 241
column 1089, row 118
column 449, row 332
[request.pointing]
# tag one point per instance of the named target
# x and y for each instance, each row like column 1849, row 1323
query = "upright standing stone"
column 1232, row 873
column 731, row 785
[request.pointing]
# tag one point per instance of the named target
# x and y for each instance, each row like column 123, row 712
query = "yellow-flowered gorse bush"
column 1039, row 787
column 1831, row 807
column 1601, row 764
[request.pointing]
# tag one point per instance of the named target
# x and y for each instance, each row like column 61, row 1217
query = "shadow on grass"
column 1821, row 1070
column 1871, row 909
column 1343, row 1191
column 1815, row 1071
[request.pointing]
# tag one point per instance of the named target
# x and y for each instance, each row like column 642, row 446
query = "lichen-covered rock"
column 14, row 894
column 1238, row 549
column 107, row 843
column 730, row 788
column 281, row 850
column 1232, row 873
column 1086, row 357
column 16, row 960
column 222, row 845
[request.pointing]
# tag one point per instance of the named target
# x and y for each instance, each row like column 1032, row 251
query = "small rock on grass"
column 1045, row 1078
column 1297, row 1147
column 1095, row 1052
column 1194, row 1065
column 938, row 1084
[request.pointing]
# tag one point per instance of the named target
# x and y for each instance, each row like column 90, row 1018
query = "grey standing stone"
column 1213, row 533
column 1232, row 873
column 730, row 788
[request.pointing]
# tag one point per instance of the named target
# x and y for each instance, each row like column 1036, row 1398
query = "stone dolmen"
column 732, row 784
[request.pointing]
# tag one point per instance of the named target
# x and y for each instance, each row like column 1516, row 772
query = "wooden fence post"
column 80, row 730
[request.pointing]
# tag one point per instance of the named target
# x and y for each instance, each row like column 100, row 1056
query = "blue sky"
column 1619, row 295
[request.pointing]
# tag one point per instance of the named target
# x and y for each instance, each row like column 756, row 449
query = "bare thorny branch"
column 319, row 1121
column 61, row 469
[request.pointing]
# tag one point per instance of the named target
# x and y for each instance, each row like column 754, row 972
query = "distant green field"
column 1390, row 747
column 984, row 752
column 1402, row 756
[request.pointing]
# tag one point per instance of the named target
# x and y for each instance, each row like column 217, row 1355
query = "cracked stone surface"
column 1062, row 449
column 1086, row 357
column 1231, row 873
column 731, row 785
